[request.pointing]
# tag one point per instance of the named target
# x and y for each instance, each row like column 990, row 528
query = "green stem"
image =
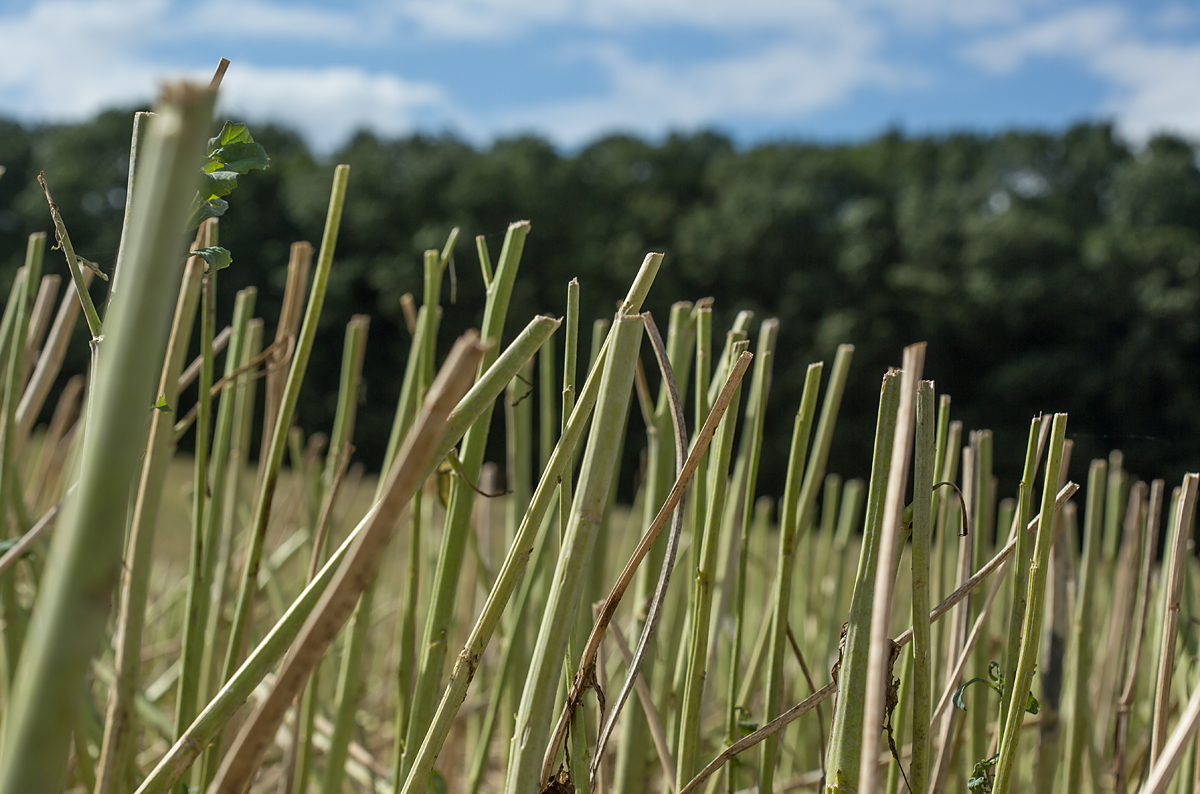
column 462, row 498
column 74, row 601
column 270, row 650
column 794, row 520
column 842, row 762
column 518, row 553
column 924, row 466
column 1034, row 614
column 595, row 478
column 760, row 386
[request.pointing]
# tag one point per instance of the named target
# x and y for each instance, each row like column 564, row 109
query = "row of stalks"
column 458, row 624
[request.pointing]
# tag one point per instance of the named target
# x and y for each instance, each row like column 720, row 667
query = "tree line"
column 1049, row 271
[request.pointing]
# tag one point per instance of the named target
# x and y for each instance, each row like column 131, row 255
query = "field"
column 220, row 624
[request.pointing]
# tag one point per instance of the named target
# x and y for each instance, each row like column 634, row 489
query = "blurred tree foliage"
column 1048, row 272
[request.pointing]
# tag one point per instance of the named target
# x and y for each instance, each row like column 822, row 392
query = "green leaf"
column 203, row 209
column 217, row 258
column 995, row 674
column 241, row 157
column 1033, row 706
column 161, row 405
column 959, row 703
column 230, row 133
column 218, row 183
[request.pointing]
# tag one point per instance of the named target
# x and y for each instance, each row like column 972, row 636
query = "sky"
column 573, row 70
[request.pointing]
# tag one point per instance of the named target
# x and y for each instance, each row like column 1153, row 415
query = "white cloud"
column 329, row 103
column 780, row 81
column 1153, row 85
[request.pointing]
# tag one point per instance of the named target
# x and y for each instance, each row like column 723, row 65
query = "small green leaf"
column 217, row 184
column 1033, row 706
column 161, row 405
column 239, row 157
column 230, row 133
column 994, row 673
column 217, row 258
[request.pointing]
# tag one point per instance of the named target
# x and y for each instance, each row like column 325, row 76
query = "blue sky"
column 572, row 70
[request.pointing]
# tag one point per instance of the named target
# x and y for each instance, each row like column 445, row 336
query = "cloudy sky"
column 575, row 69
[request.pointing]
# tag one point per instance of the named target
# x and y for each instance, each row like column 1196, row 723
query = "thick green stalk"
column 595, row 478
column 458, row 514
column 756, row 403
column 263, row 658
column 788, row 524
column 705, row 579
column 522, row 545
column 791, row 527
column 135, row 581
column 842, row 761
column 1034, row 613
column 74, row 600
column 924, row 466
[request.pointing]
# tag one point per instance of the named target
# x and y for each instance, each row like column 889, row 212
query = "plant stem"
column 1034, row 614
column 924, row 466
column 73, row 604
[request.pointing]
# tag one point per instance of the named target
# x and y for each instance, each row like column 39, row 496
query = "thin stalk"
column 283, row 422
column 705, row 580
column 1034, row 614
column 340, row 447
column 39, row 324
column 1054, row 642
column 1021, row 570
column 64, row 242
column 1080, row 654
column 419, row 453
column 49, row 363
column 983, row 512
column 881, row 657
column 845, row 741
column 518, row 554
column 629, row 773
column 259, row 662
column 1163, row 769
column 788, row 525
column 440, row 613
column 194, row 622
column 68, row 624
column 756, row 403
column 1142, row 609
column 924, row 466
column 1182, row 532
column 141, row 122
column 594, row 481
column 14, row 615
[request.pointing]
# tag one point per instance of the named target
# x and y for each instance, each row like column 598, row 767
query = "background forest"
column 1048, row 272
